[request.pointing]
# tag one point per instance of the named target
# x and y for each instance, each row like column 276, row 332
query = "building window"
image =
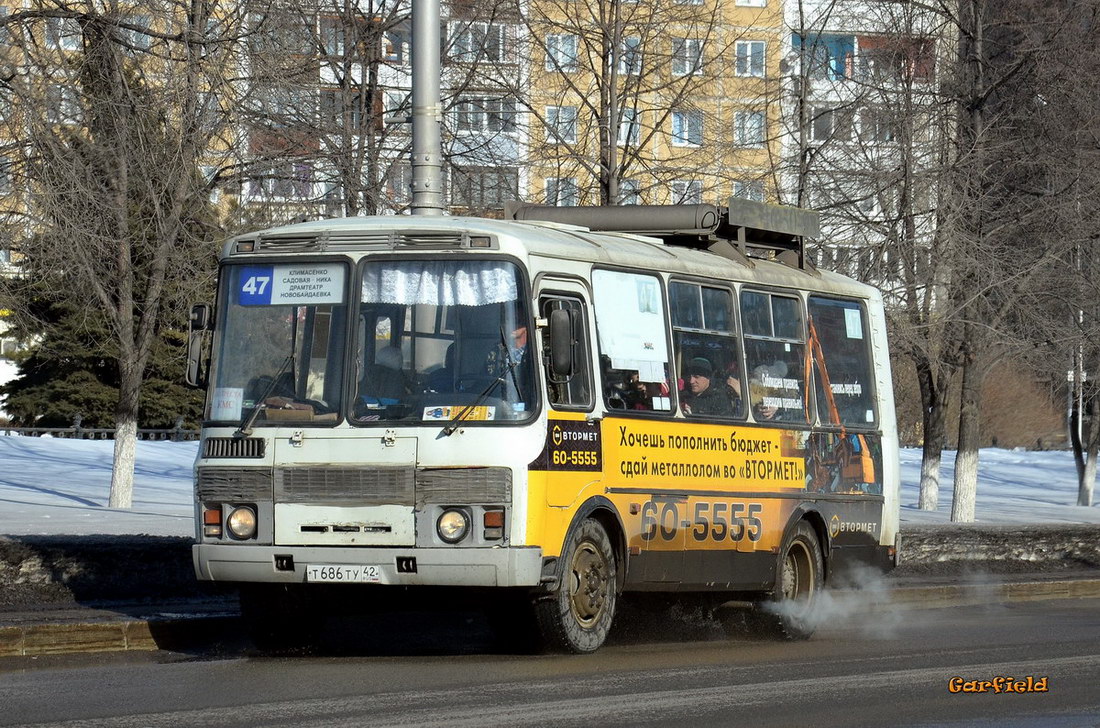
column 561, row 124
column 398, row 106
column 484, row 187
column 63, row 34
column 877, row 125
column 561, row 191
column 338, row 108
column 332, row 37
column 62, row 105
column 284, row 181
column 486, row 114
column 6, row 186
column 687, row 192
column 135, row 36
column 750, row 3
column 630, row 128
column 474, row 41
column 687, row 128
column 749, row 190
column 630, row 192
column 561, row 52
column 750, row 58
column 749, row 128
column 398, row 184
column 830, row 124
column 827, row 56
column 394, row 44
column 687, row 56
column 630, row 56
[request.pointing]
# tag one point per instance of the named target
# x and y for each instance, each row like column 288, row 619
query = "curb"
column 182, row 633
column 112, row 636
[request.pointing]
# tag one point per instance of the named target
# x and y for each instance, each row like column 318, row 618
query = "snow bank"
column 55, row 486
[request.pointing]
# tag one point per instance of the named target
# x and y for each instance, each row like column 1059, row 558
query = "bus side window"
column 775, row 348
column 630, row 322
column 708, row 360
column 575, row 392
column 841, row 354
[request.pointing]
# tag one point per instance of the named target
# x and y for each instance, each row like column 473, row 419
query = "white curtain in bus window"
column 631, row 321
column 842, row 356
column 774, row 354
column 448, row 283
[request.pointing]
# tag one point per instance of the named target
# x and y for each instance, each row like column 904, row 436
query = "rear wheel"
column 790, row 611
column 576, row 617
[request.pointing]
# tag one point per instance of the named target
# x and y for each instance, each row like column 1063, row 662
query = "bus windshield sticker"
column 227, row 403
column 276, row 285
column 446, row 412
column 853, row 323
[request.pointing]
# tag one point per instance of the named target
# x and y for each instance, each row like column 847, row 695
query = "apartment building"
column 861, row 129
column 663, row 102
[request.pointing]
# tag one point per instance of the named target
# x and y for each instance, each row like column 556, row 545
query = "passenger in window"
column 635, row 394
column 700, row 398
column 733, row 386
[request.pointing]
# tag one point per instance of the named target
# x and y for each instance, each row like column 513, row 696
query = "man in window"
column 701, row 398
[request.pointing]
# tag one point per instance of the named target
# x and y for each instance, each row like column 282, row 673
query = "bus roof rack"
column 741, row 230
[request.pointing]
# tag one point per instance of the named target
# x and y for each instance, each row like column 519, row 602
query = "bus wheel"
column 278, row 616
column 789, row 613
column 576, row 616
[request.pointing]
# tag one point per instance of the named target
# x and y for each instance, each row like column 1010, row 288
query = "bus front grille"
column 234, row 484
column 463, row 485
column 376, row 485
column 234, row 447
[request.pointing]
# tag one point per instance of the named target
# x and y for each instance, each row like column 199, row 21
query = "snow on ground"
column 56, row 486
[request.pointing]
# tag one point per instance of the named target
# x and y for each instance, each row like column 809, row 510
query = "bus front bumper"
column 401, row 566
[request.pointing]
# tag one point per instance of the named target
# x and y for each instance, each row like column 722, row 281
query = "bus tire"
column 790, row 611
column 278, row 617
column 576, row 616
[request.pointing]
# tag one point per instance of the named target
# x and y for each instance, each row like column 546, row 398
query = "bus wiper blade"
column 457, row 419
column 245, row 428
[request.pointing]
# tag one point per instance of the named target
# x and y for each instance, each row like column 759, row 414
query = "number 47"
column 256, row 285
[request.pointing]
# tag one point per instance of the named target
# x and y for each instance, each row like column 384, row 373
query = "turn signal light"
column 212, row 522
column 494, row 519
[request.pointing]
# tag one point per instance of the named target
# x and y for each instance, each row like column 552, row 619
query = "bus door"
column 573, row 453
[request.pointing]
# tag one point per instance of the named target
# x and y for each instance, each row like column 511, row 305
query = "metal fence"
column 179, row 433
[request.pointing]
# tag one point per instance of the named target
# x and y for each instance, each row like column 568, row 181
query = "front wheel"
column 576, row 617
column 791, row 611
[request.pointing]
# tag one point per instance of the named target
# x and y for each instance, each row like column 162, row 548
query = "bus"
column 554, row 409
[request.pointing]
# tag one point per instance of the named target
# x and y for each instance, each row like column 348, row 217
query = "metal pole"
column 427, row 146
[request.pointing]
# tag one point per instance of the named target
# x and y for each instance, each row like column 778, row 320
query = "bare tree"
column 864, row 141
column 115, row 112
column 632, row 100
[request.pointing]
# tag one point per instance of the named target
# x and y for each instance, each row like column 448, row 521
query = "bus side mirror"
column 197, row 326
column 561, row 343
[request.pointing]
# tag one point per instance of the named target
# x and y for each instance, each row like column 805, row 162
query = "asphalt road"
column 888, row 669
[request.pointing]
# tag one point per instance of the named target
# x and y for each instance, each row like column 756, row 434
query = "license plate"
column 350, row 574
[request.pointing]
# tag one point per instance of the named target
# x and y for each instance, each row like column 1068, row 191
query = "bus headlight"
column 242, row 522
column 453, row 525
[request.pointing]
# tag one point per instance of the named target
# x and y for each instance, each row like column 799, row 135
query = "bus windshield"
column 443, row 339
column 281, row 348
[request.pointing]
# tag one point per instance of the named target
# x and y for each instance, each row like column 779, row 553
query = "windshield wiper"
column 245, row 428
column 501, row 380
column 457, row 419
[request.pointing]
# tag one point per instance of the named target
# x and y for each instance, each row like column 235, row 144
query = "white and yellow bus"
column 658, row 399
